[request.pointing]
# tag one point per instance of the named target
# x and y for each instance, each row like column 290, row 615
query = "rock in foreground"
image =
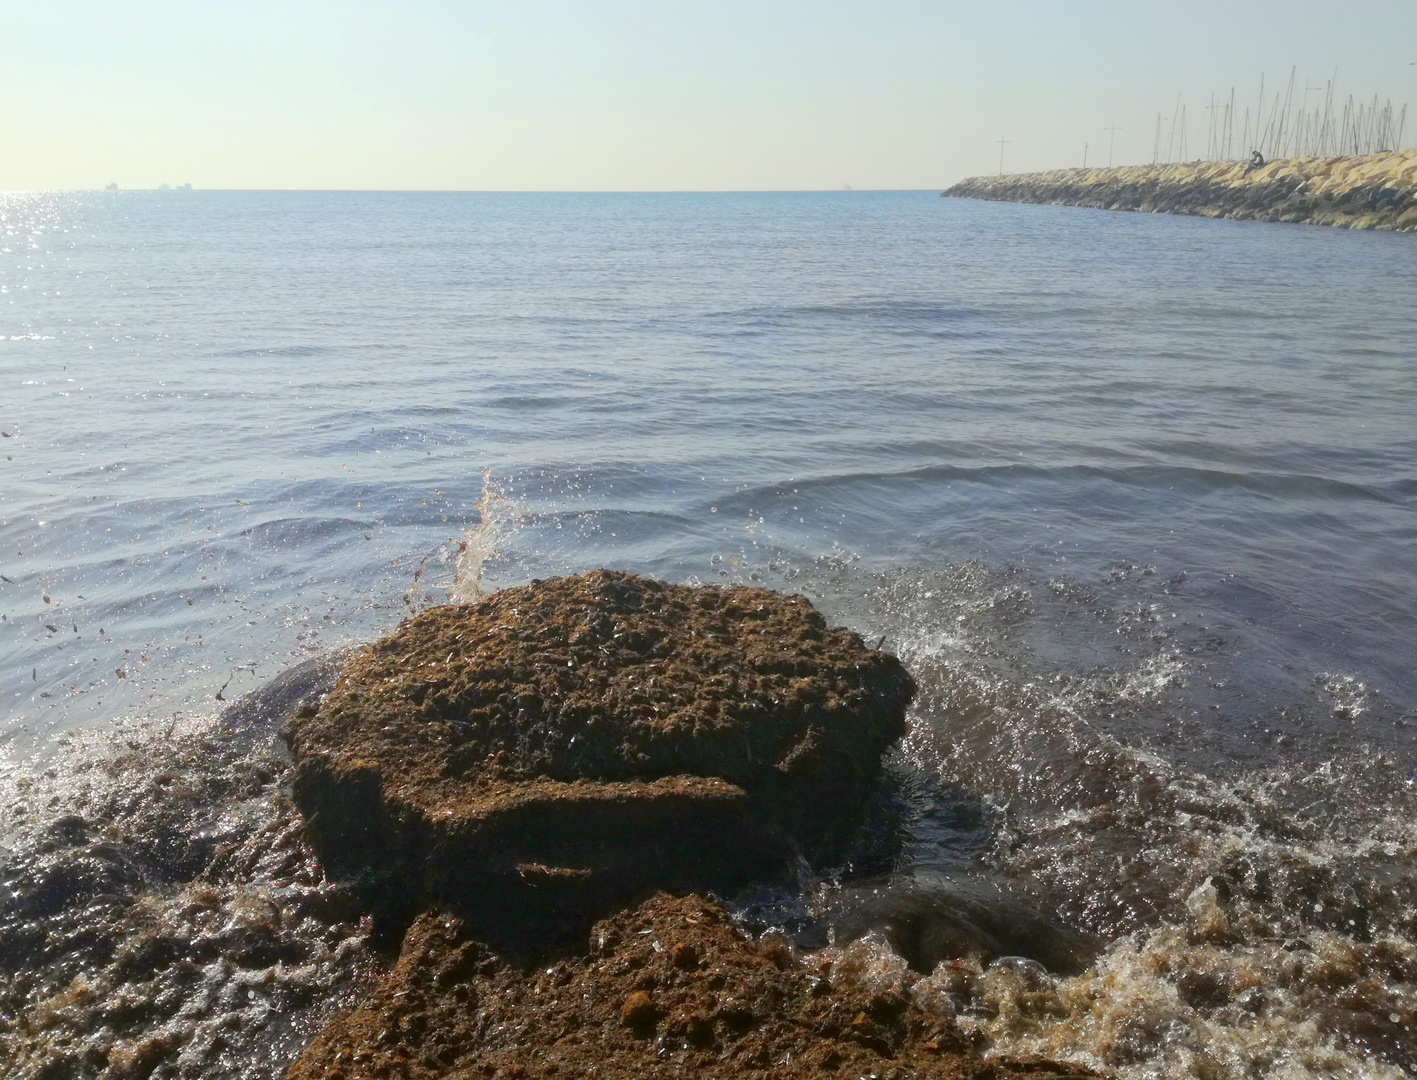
column 576, row 740
column 668, row 989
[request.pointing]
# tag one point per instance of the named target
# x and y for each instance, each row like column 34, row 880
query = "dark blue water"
column 1134, row 495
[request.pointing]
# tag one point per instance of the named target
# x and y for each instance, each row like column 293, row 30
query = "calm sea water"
column 1134, row 496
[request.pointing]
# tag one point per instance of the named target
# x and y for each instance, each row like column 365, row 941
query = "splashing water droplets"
column 499, row 517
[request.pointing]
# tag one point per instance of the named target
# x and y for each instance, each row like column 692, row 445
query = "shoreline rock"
column 670, row 988
column 562, row 746
column 1377, row 191
column 494, row 776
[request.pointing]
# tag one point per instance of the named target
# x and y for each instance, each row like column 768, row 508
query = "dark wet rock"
column 570, row 742
column 928, row 917
column 256, row 715
column 629, row 1008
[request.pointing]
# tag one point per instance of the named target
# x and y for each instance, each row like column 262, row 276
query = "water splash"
column 1263, row 925
column 498, row 518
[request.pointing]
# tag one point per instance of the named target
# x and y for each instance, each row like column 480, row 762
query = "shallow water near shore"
column 1132, row 496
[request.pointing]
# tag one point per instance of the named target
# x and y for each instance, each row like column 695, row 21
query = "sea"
column 1134, row 497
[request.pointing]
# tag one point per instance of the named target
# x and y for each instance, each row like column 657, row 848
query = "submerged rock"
column 577, row 740
column 928, row 916
column 667, row 989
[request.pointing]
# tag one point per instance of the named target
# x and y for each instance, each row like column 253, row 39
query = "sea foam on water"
column 161, row 913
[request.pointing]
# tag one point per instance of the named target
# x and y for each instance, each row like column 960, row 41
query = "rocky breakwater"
column 503, row 773
column 1377, row 191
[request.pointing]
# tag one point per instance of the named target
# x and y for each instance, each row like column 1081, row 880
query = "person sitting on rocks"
column 1256, row 161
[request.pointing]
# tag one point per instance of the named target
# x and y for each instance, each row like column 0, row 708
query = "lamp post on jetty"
column 1111, row 142
column 1002, row 143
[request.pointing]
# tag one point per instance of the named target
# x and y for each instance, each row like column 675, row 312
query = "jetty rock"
column 670, row 988
column 1373, row 191
column 530, row 759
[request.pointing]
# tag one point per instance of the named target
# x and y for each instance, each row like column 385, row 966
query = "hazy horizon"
column 628, row 96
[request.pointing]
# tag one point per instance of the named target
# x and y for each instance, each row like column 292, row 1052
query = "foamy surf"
column 1261, row 924
column 160, row 912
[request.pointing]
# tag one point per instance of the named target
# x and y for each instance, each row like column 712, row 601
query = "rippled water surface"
column 1134, row 496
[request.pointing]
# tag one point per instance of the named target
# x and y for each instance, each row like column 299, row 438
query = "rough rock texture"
column 1378, row 191
column 513, row 767
column 573, row 741
column 668, row 989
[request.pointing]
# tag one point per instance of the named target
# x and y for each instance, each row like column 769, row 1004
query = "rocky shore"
column 1378, row 191
column 161, row 914
column 669, row 988
column 493, row 778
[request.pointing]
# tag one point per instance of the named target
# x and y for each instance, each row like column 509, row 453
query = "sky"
column 637, row 95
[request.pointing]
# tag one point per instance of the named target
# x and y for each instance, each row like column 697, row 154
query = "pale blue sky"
column 622, row 95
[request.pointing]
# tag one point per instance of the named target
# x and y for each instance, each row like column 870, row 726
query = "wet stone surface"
column 161, row 914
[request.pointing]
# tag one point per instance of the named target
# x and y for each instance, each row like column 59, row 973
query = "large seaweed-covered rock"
column 668, row 989
column 576, row 739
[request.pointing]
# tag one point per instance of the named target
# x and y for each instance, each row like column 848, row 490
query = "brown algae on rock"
column 630, row 1007
column 574, row 741
column 561, row 750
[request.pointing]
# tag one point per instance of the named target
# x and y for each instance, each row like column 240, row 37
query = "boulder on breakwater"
column 670, row 988
column 531, row 759
column 1377, row 191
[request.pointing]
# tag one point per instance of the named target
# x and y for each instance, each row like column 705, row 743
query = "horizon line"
column 178, row 190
